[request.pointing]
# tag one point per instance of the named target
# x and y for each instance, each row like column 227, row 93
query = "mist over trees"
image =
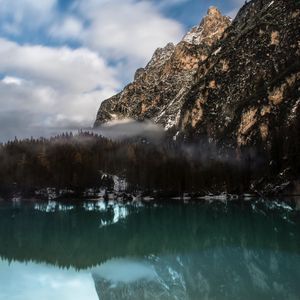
column 78, row 162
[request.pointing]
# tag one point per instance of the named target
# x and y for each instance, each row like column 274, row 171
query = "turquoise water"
column 111, row 250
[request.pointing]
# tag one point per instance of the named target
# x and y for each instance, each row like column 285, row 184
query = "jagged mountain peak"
column 214, row 11
column 211, row 26
column 248, row 86
column 159, row 58
column 230, row 82
column 161, row 55
column 158, row 90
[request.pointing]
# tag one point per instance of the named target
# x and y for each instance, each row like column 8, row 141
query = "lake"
column 110, row 250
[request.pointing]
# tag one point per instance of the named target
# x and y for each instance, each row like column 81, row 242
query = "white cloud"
column 12, row 80
column 54, row 87
column 58, row 86
column 125, row 32
column 29, row 13
column 69, row 28
column 127, row 29
column 28, row 109
column 79, row 70
column 44, row 100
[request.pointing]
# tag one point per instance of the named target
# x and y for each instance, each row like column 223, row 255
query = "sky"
column 29, row 281
column 59, row 59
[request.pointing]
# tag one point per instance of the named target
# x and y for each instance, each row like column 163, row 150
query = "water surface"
column 111, row 250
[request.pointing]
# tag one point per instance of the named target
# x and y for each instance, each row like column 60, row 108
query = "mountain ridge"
column 233, row 85
column 163, row 90
column 160, row 86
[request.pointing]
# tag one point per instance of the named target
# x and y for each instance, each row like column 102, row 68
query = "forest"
column 78, row 161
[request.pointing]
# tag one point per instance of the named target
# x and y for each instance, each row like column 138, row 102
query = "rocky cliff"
column 236, row 85
column 159, row 90
column 249, row 84
column 223, row 80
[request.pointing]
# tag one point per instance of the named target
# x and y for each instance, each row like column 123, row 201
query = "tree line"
column 77, row 161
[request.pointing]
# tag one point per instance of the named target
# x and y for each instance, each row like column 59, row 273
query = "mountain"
column 250, row 82
column 232, row 84
column 159, row 90
column 223, row 80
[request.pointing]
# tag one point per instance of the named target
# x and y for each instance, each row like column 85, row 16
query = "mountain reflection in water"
column 134, row 251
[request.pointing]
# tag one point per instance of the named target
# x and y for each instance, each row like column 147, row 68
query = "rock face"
column 250, row 82
column 232, row 82
column 159, row 90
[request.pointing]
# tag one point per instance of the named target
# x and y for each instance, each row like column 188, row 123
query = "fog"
column 22, row 128
column 130, row 128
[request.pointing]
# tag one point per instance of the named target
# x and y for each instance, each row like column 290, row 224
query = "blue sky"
column 60, row 58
